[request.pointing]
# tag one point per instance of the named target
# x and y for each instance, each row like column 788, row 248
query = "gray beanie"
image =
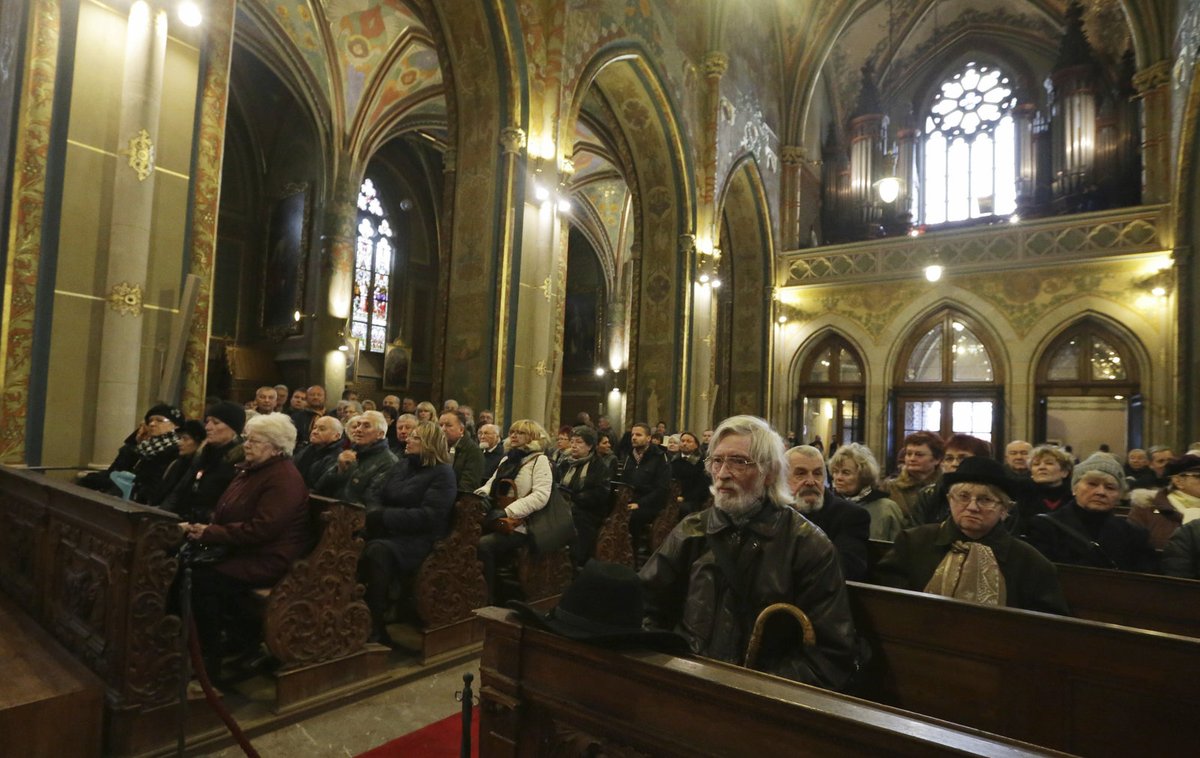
column 1103, row 463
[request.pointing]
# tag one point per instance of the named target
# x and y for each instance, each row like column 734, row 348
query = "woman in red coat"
column 261, row 525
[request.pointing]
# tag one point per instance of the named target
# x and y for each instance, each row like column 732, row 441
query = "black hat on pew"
column 979, row 469
column 603, row 606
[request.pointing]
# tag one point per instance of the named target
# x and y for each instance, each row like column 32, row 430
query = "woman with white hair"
column 855, row 474
column 262, row 521
column 521, row 484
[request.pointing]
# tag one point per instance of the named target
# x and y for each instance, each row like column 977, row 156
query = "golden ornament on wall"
column 126, row 299
column 141, row 154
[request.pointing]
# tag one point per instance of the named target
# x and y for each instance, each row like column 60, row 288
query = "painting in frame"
column 285, row 262
column 397, row 362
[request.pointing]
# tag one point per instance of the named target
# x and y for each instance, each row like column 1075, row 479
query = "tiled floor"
column 358, row 727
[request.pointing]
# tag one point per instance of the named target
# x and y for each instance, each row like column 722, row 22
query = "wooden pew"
column 668, row 517
column 315, row 621
column 43, row 689
column 95, row 572
column 1142, row 601
column 613, row 542
column 542, row 694
column 450, row 583
column 1079, row 686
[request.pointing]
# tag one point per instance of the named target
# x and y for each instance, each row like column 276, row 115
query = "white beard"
column 736, row 505
column 804, row 506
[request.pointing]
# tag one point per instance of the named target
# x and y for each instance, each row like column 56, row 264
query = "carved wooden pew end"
column 450, row 584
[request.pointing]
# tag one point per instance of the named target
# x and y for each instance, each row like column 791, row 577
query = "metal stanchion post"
column 467, row 704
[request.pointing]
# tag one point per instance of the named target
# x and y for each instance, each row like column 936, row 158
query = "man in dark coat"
column 465, row 455
column 320, row 456
column 646, row 470
column 688, row 469
column 846, row 524
column 585, row 482
column 720, row 568
column 492, row 448
column 362, row 470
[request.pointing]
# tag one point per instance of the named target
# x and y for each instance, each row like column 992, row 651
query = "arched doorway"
column 948, row 381
column 1089, row 390
column 831, row 396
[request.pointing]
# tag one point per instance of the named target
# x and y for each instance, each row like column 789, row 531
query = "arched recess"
column 830, row 397
column 584, row 319
column 743, row 352
column 624, row 97
column 948, row 379
column 1089, row 388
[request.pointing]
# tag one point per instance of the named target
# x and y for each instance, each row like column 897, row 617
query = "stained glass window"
column 970, row 160
column 372, row 271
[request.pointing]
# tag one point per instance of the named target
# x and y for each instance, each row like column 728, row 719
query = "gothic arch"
column 658, row 170
column 742, row 361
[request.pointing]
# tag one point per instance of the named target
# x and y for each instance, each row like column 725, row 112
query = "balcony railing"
column 1034, row 242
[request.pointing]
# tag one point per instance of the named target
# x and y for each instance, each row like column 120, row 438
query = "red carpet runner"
column 441, row 739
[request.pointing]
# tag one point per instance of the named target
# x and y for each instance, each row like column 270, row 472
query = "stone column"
column 792, row 158
column 117, row 405
column 1153, row 85
column 336, row 289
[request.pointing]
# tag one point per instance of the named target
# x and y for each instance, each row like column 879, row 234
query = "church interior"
column 857, row 219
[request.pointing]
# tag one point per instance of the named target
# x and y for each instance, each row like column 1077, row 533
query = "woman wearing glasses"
column 970, row 556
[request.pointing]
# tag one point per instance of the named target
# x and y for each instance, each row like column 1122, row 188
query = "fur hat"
column 231, row 414
column 1102, row 463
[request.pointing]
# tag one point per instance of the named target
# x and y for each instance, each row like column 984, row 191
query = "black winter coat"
column 589, row 494
column 415, row 510
column 650, row 479
column 848, row 526
column 1090, row 538
column 213, row 468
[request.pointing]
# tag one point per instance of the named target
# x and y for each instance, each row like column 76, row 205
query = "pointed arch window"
column 831, row 393
column 948, row 381
column 1089, row 389
column 372, row 271
column 969, row 166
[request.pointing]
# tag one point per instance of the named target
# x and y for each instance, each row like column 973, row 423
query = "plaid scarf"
column 152, row 446
column 969, row 572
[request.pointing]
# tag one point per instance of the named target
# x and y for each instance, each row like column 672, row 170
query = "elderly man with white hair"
column 846, row 524
column 362, row 470
column 720, row 568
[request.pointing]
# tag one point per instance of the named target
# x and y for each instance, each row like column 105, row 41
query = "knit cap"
column 1103, row 463
column 231, row 414
column 169, row 412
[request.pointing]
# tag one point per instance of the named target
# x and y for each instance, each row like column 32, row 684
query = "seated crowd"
column 752, row 523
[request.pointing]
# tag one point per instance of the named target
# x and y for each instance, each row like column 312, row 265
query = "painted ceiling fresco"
column 380, row 56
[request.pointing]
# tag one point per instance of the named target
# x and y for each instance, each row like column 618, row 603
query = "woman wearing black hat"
column 214, row 465
column 191, row 436
column 143, row 458
column 971, row 556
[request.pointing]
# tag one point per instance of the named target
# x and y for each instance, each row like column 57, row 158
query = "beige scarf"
column 969, row 572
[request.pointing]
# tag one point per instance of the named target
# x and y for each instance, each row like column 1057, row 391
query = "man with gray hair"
column 846, row 524
column 360, row 472
column 720, row 568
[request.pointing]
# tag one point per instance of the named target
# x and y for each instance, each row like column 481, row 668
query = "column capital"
column 512, row 139
column 1153, row 76
column 793, row 155
column 715, row 64
column 687, row 243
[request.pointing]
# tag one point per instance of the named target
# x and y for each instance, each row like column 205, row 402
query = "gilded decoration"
column 512, row 139
column 141, row 154
column 28, row 190
column 206, row 196
column 126, row 299
column 1105, row 234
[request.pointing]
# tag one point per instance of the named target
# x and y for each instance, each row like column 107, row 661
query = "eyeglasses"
column 254, row 441
column 985, row 502
column 735, row 463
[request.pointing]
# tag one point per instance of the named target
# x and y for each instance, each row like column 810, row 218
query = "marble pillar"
column 129, row 236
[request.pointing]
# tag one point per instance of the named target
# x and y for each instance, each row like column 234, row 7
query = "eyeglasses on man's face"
column 735, row 463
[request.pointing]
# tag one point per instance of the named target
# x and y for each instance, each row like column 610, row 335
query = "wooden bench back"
column 613, row 543
column 450, row 582
column 542, row 694
column 316, row 612
column 1079, row 686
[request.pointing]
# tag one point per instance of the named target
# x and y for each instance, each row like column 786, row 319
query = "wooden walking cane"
column 810, row 635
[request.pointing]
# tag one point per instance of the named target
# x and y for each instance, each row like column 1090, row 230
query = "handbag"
column 552, row 527
column 203, row 553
